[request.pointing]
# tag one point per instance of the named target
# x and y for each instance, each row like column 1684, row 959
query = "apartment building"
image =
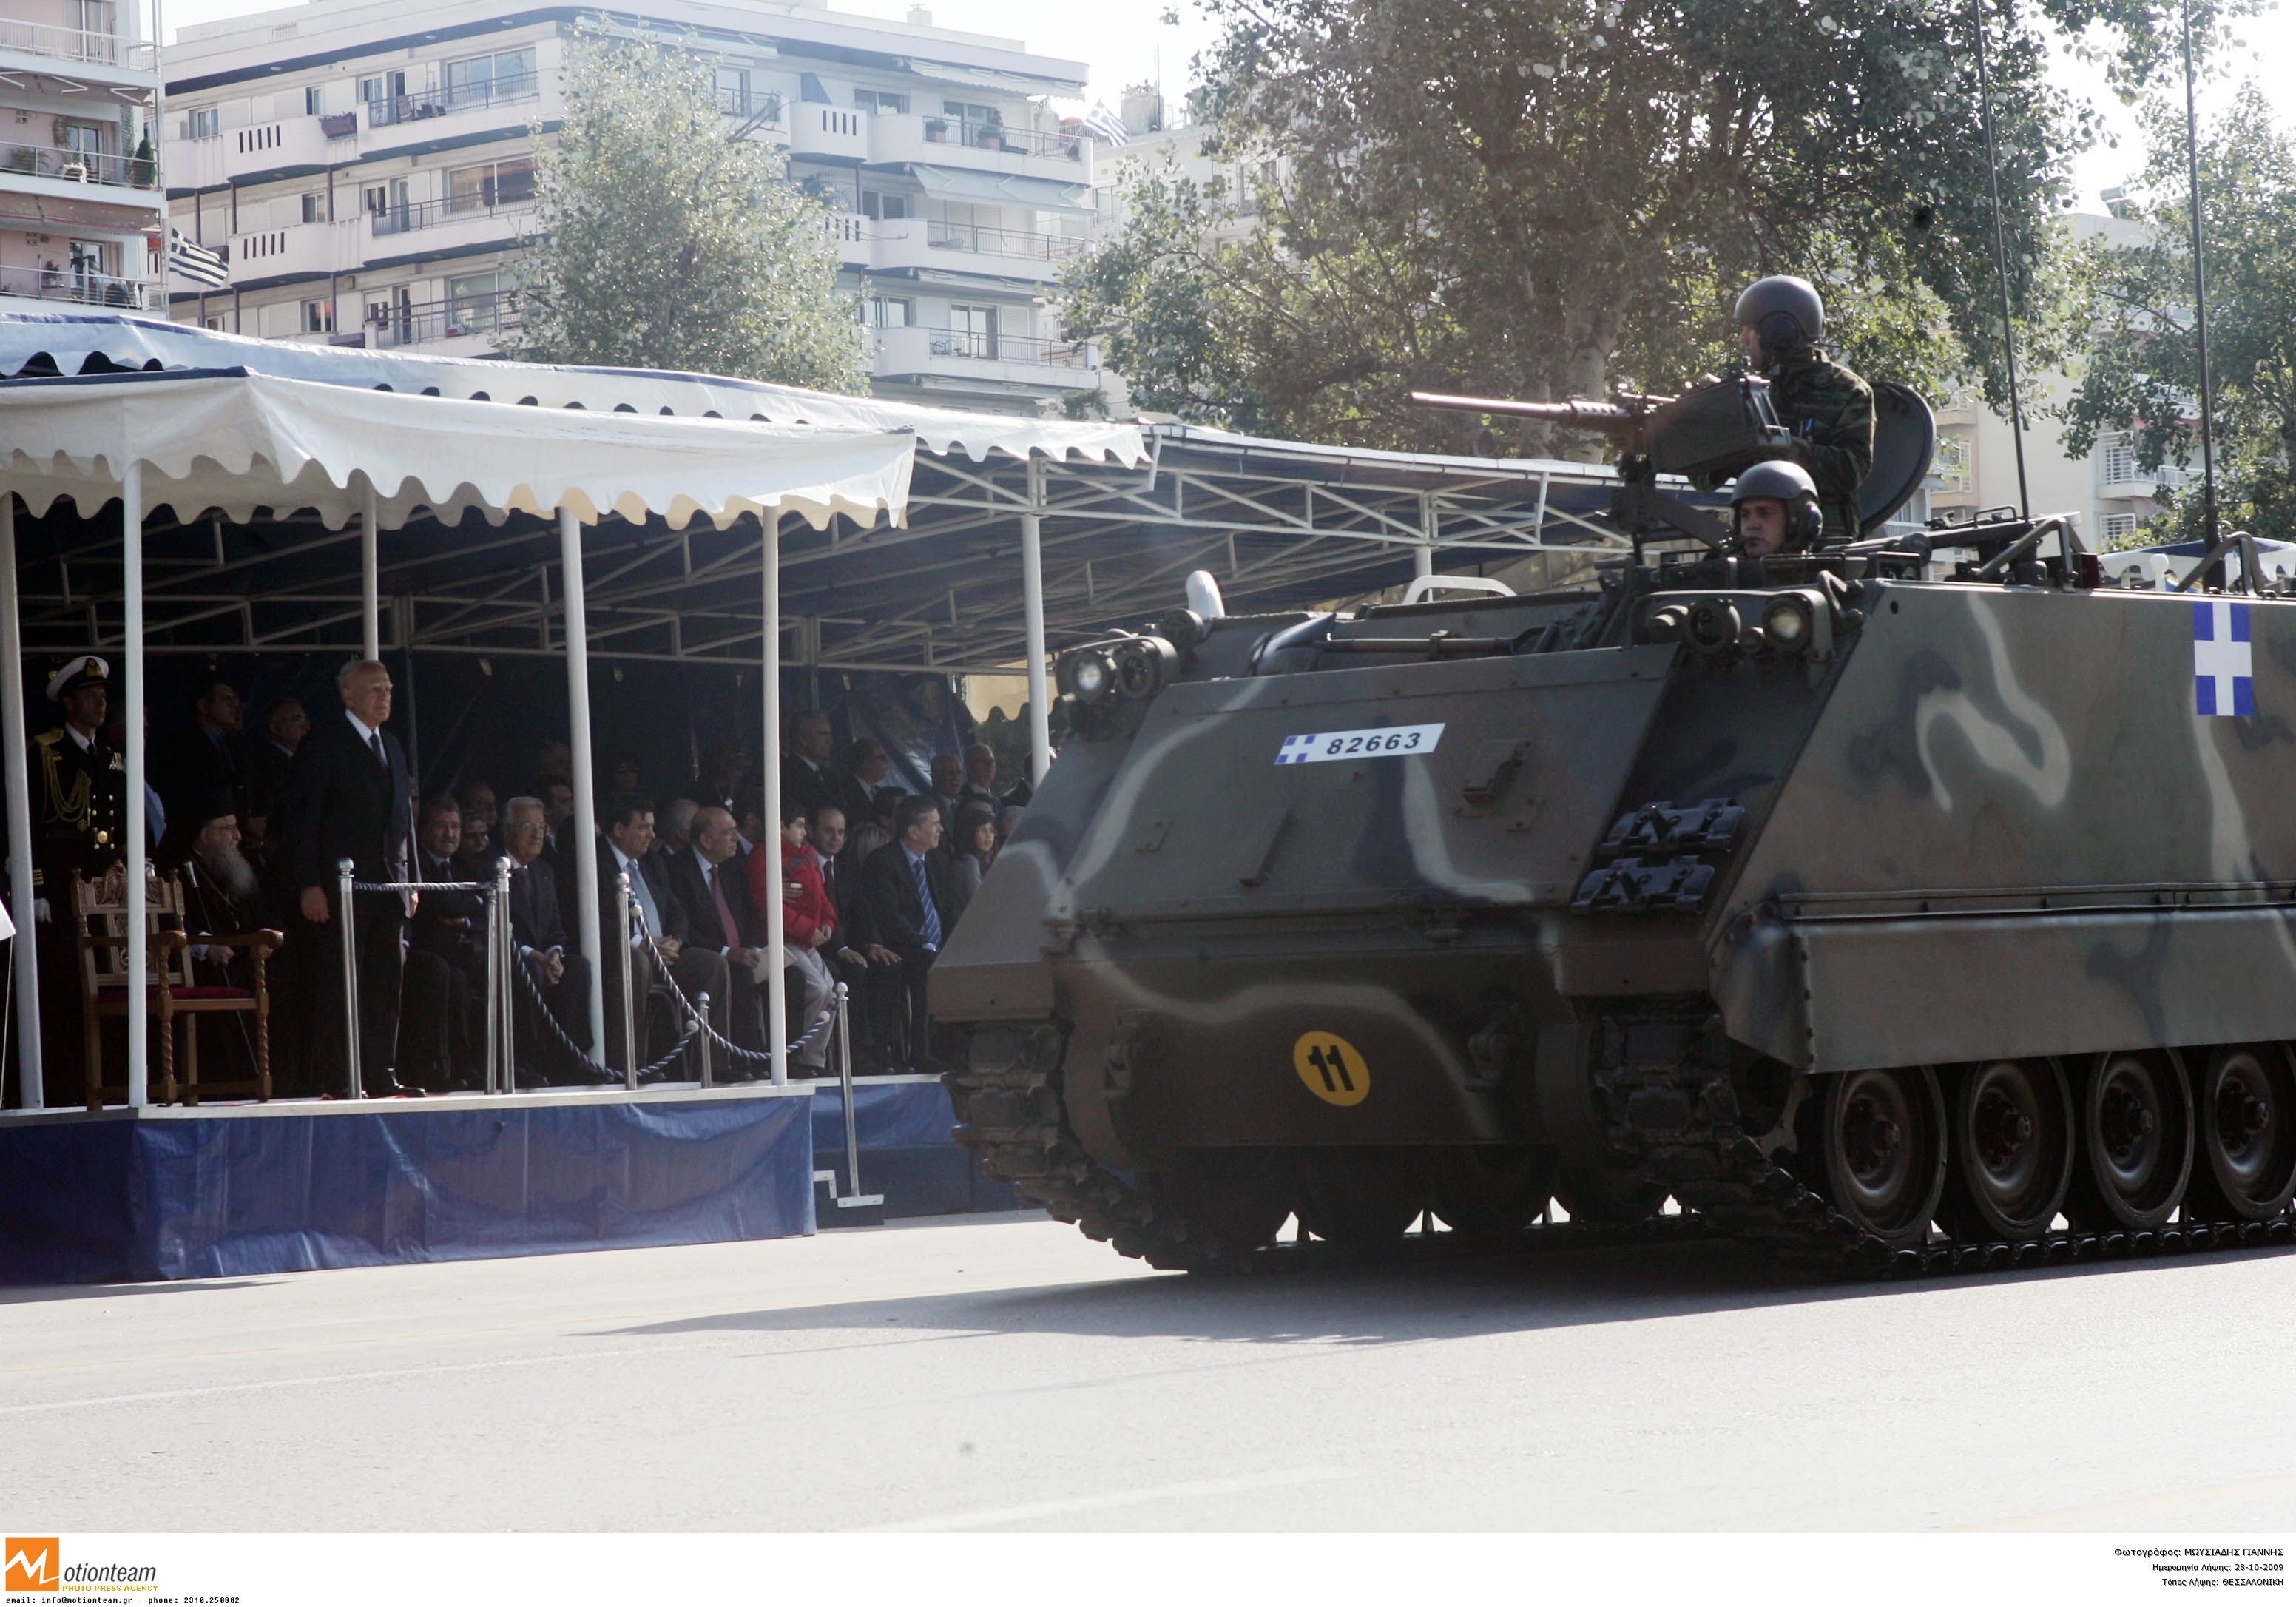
column 79, row 195
column 367, row 171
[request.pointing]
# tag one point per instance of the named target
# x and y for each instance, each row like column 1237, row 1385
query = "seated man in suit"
column 657, row 940
column 863, row 792
column 708, row 881
column 908, row 889
column 871, row 971
column 538, row 935
column 446, row 958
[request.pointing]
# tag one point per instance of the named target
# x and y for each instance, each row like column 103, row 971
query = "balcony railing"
column 78, row 166
column 429, row 214
column 992, row 241
column 988, row 347
column 454, row 97
column 81, row 285
column 75, row 45
column 428, row 321
column 765, row 105
column 1002, row 136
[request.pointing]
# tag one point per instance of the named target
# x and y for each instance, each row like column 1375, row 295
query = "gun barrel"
column 1589, row 415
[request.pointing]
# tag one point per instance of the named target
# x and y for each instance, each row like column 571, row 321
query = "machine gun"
column 1706, row 435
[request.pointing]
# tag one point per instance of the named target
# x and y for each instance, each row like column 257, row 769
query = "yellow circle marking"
column 1331, row 1067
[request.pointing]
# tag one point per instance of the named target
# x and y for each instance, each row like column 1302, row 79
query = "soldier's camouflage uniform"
column 1829, row 411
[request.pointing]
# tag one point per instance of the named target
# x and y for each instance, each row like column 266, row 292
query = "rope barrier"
column 762, row 1057
column 645, row 1073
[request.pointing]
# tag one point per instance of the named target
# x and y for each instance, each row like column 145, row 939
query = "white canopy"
column 71, row 340
column 239, row 441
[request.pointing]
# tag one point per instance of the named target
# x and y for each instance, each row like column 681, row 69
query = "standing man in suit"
column 807, row 779
column 909, row 893
column 538, row 935
column 347, row 798
column 269, row 761
column 197, row 763
column 446, row 957
column 707, row 880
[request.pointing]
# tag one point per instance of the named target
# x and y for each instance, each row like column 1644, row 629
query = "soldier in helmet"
column 1827, row 410
column 1774, row 509
column 79, row 785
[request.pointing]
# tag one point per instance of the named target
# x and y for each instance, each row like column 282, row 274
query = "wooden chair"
column 100, row 923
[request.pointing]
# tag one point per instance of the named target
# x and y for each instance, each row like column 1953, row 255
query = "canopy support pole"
column 15, row 747
column 585, row 798
column 1032, row 600
column 1423, row 556
column 370, row 582
column 769, row 768
column 138, row 943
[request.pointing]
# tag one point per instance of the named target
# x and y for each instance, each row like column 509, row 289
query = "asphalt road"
column 1006, row 1373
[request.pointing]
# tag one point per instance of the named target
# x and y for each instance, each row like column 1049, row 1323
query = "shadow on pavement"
column 1504, row 1294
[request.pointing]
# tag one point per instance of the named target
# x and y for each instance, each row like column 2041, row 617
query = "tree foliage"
column 2142, row 373
column 1542, row 197
column 664, row 239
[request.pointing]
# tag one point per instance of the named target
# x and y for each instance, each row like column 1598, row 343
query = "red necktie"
column 725, row 910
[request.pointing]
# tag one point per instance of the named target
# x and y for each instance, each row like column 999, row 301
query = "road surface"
column 1005, row 1374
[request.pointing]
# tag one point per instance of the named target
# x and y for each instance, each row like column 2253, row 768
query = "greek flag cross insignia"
column 2224, row 679
column 1295, row 749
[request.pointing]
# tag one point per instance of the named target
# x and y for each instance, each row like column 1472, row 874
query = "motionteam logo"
column 32, row 1565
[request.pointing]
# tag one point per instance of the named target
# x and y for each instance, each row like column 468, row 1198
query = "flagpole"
column 2201, row 302
column 160, row 161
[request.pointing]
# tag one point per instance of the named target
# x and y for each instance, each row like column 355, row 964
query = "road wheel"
column 1483, row 1189
column 1230, row 1201
column 1361, row 1197
column 1884, row 1146
column 2135, row 1144
column 2012, row 1150
column 2244, row 1129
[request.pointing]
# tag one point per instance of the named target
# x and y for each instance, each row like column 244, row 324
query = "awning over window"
column 996, row 83
column 1042, row 194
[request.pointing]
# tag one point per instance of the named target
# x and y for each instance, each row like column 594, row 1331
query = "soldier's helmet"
column 1790, row 484
column 1785, row 311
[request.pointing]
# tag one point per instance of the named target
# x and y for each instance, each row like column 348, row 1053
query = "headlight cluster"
column 1798, row 624
column 1134, row 667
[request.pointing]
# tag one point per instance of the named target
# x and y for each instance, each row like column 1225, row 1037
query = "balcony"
column 831, row 134
column 77, row 174
column 976, row 357
column 300, row 250
column 965, row 248
column 760, row 114
column 456, row 220
column 295, row 144
column 482, row 318
column 83, row 287
column 854, row 235
column 78, row 48
column 994, row 147
column 452, row 99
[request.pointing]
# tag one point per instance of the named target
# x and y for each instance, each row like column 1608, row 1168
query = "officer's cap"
column 85, row 670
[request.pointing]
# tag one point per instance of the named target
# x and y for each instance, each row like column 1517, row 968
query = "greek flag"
column 1295, row 749
column 1105, row 125
column 2224, row 679
column 195, row 262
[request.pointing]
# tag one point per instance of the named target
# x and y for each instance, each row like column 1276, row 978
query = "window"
column 971, row 333
column 880, row 99
column 204, row 123
column 885, row 208
column 2119, row 527
column 319, row 317
column 889, row 312
column 314, row 100
column 485, row 185
column 977, row 124
column 383, row 86
column 474, row 302
column 213, row 321
column 498, row 77
column 315, row 207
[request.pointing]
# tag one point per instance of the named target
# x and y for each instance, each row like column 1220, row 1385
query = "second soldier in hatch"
column 1827, row 411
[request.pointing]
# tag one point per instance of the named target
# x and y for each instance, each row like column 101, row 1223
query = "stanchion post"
column 701, row 1031
column 854, row 1196
column 496, row 1001
column 630, row 1004
column 343, row 869
column 506, row 957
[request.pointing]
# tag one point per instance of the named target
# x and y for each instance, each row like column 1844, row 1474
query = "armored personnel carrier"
column 1899, row 913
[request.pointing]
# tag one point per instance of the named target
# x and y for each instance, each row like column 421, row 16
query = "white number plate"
column 1387, row 742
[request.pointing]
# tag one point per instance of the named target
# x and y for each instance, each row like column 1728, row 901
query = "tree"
column 665, row 239
column 1553, row 199
column 2141, row 374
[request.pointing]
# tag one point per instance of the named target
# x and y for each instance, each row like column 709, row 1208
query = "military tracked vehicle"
column 1912, row 906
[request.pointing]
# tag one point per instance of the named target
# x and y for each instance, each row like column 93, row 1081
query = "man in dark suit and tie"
column 708, row 881
column 660, row 938
column 347, row 798
column 538, row 938
column 446, row 960
column 807, row 779
column 192, row 766
column 870, row 970
column 910, row 895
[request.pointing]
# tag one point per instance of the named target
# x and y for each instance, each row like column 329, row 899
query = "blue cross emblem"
column 2224, row 679
column 1295, row 749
